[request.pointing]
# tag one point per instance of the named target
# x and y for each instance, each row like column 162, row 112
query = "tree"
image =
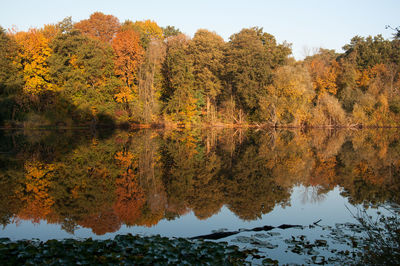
column 99, row 26
column 83, row 68
column 11, row 80
column 178, row 92
column 128, row 57
column 251, row 57
column 33, row 54
column 324, row 70
column 328, row 112
column 207, row 49
column 367, row 52
column 288, row 100
column 150, row 80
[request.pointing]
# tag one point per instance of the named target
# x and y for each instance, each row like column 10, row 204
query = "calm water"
column 75, row 184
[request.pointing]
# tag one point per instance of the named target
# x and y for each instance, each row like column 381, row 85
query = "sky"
column 307, row 24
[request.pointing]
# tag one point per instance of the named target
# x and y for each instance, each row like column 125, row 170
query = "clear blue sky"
column 313, row 23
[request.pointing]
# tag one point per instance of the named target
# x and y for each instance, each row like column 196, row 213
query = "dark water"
column 63, row 184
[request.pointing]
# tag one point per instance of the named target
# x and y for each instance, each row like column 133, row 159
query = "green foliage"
column 83, row 68
column 178, row 92
column 252, row 55
column 11, row 81
column 169, row 31
column 370, row 51
column 207, row 49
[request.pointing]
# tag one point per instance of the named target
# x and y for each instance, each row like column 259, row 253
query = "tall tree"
column 150, row 80
column 289, row 97
column 178, row 89
column 251, row 57
column 169, row 31
column 32, row 62
column 128, row 57
column 84, row 69
column 324, row 70
column 207, row 49
column 11, row 80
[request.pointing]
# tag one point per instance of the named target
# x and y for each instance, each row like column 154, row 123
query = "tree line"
column 99, row 71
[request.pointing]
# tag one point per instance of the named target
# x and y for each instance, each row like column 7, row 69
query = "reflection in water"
column 139, row 178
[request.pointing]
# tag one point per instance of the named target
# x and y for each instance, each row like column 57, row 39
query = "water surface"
column 76, row 184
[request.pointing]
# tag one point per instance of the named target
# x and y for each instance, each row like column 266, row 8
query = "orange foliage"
column 128, row 56
column 99, row 26
column 324, row 76
column 124, row 159
column 370, row 74
column 100, row 223
column 130, row 198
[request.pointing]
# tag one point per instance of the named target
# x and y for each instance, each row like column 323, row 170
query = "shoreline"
column 134, row 126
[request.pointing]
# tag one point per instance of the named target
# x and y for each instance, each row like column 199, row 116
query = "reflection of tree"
column 85, row 185
column 130, row 199
column 100, row 223
column 38, row 181
column 139, row 178
column 205, row 197
column 250, row 187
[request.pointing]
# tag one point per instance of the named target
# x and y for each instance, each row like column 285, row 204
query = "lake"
column 57, row 184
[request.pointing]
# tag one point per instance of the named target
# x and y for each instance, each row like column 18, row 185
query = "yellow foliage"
column 292, row 93
column 125, row 95
column 32, row 58
column 37, row 185
column 150, row 29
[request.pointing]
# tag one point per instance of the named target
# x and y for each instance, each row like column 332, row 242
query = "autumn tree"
column 99, row 26
column 289, row 97
column 328, row 112
column 32, row 60
column 207, row 49
column 128, row 57
column 148, row 30
column 324, row 70
column 371, row 93
column 367, row 52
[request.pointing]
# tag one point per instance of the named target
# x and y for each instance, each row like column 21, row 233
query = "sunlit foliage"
column 99, row 71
